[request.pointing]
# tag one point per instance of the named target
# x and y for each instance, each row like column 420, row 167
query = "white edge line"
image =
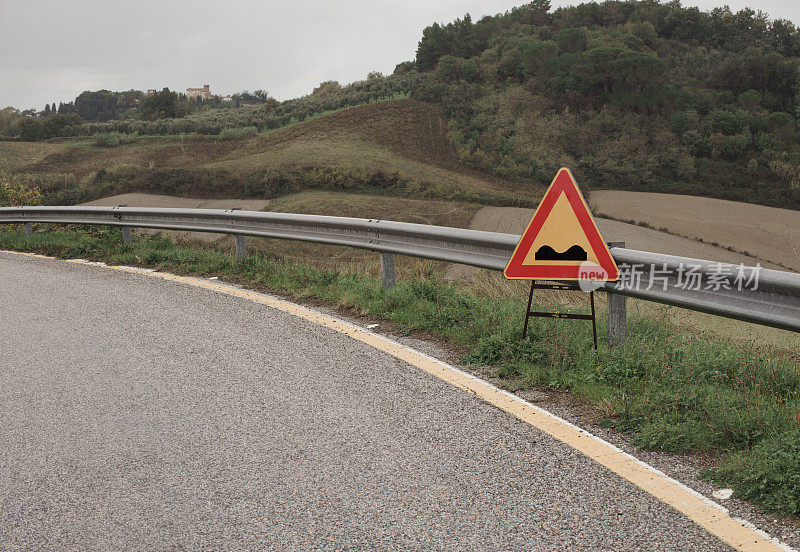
column 721, row 508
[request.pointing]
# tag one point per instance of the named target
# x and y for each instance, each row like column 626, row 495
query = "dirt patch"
column 513, row 220
column 153, row 200
column 769, row 233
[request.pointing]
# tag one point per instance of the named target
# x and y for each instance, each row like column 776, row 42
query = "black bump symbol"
column 547, row 253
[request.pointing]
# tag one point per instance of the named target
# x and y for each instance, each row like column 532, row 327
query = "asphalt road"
column 143, row 414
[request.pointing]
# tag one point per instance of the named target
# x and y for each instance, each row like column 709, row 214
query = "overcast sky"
column 50, row 51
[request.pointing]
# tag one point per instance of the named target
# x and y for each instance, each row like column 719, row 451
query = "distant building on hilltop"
column 203, row 93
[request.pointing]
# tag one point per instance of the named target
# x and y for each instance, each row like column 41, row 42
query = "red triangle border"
column 562, row 183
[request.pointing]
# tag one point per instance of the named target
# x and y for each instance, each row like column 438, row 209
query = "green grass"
column 669, row 390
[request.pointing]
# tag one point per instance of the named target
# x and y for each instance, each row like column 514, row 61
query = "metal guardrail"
column 770, row 297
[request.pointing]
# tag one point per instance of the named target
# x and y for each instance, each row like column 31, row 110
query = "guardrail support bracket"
column 28, row 228
column 127, row 235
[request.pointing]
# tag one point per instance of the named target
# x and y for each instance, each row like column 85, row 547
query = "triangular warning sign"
column 562, row 241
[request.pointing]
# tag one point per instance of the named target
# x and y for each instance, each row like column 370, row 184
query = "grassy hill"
column 397, row 147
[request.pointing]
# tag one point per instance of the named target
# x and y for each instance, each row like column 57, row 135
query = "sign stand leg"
column 564, row 287
column 594, row 323
column 528, row 311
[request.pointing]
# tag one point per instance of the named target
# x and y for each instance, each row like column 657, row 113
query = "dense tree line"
column 637, row 95
column 719, row 28
column 33, row 129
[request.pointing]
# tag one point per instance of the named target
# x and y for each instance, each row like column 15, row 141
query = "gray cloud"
column 50, row 51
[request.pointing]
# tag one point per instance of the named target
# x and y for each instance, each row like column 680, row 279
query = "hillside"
column 631, row 95
column 636, row 95
column 394, row 146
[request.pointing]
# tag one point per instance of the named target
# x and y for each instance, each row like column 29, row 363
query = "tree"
column 750, row 100
column 784, row 37
column 31, row 130
column 66, row 107
column 469, row 70
column 431, row 47
column 161, row 105
column 46, row 110
column 572, row 40
column 404, row 67
column 447, row 68
column 9, row 121
column 100, row 105
column 327, row 88
column 57, row 123
column 782, row 126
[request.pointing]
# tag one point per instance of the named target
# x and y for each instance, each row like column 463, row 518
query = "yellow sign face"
column 560, row 232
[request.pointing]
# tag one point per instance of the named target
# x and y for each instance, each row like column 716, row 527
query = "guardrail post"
column 241, row 242
column 387, row 270
column 28, row 228
column 241, row 247
column 617, row 314
column 387, row 267
column 127, row 235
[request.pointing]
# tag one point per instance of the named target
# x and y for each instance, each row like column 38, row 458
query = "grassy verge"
column 671, row 391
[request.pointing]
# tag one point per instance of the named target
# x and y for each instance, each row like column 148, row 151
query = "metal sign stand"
column 564, row 287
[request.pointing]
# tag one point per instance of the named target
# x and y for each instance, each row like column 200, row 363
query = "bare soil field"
column 769, row 233
column 153, row 200
column 513, row 220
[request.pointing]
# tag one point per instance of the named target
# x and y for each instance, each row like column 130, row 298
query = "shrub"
column 14, row 192
column 735, row 146
column 691, row 140
column 767, row 142
column 114, row 139
column 238, row 133
column 678, row 122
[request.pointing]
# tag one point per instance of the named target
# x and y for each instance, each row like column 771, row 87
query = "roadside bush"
column 48, row 184
column 114, row 139
column 14, row 192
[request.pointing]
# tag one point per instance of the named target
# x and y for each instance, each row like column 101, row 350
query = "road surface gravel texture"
column 144, row 414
